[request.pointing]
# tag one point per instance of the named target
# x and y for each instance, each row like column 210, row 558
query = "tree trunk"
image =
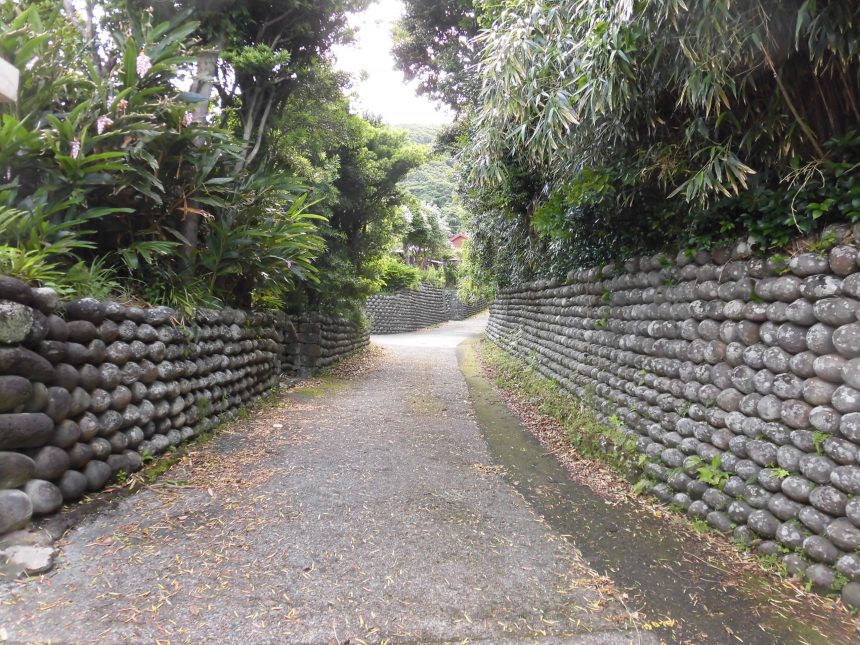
column 203, row 83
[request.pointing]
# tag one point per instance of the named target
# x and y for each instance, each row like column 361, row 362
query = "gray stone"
column 15, row 507
column 821, row 549
column 841, row 451
column 852, row 510
column 835, row 311
column 15, row 469
column 821, row 286
column 81, row 331
column 847, row 478
column 59, row 403
column 788, row 457
column 800, row 312
column 20, row 361
column 851, row 595
column 14, row 289
column 851, row 286
column 79, row 455
column 829, row 499
column 51, row 462
column 97, row 473
column 25, row 430
column 86, row 309
column 719, row 521
column 819, row 339
column 849, row 566
column 44, row 496
column 803, row 364
column 792, row 338
column 783, row 507
column 791, row 534
column 797, row 488
column 829, row 367
column 814, row 519
column 66, row 434
column 794, row 564
column 795, row 413
column 807, row 264
column 817, row 468
column 843, row 534
column 762, row 452
column 821, row 576
column 72, row 485
column 846, row 339
column 14, row 391
column 16, row 321
column 785, row 288
column 763, row 523
column 739, row 511
column 45, row 299
column 817, row 391
column 841, row 260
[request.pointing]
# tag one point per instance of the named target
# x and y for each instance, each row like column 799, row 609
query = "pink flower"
column 75, row 149
column 103, row 123
column 187, row 119
column 144, row 64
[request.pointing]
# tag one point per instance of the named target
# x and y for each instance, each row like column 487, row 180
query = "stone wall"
column 315, row 342
column 409, row 309
column 750, row 364
column 87, row 388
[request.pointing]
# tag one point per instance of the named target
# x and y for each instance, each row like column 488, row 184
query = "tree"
column 659, row 122
column 433, row 44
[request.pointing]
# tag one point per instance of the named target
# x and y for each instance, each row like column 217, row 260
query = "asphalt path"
column 367, row 509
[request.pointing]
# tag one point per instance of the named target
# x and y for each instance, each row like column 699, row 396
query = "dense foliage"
column 606, row 128
column 118, row 181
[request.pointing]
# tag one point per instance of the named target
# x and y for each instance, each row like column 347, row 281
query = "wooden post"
column 8, row 82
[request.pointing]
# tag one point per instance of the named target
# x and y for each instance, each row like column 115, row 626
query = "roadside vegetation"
column 168, row 153
column 596, row 130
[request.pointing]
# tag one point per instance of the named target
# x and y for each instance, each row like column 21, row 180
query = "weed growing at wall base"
column 592, row 437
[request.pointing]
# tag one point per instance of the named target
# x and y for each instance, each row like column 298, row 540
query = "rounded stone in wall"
column 818, row 392
column 795, row 413
column 817, row 468
column 820, row 549
column 841, row 451
column 825, row 419
column 801, row 312
column 821, row 286
column 846, row 340
column 788, row 457
column 791, row 534
column 72, row 485
column 97, row 473
column 807, row 264
column 846, row 399
column 851, row 286
column 814, row 520
column 792, row 338
column 830, row 367
column 835, row 311
column 797, row 488
column 785, row 288
column 763, row 523
column 819, row 339
column 841, row 260
column 44, row 496
column 821, row 577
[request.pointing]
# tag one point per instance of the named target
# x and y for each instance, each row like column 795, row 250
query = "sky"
column 384, row 92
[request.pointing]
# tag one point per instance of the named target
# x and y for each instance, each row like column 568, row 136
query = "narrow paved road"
column 366, row 510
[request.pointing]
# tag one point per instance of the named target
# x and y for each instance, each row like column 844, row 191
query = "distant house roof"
column 458, row 236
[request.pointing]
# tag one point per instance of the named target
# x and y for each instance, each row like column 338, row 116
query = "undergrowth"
column 592, row 437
